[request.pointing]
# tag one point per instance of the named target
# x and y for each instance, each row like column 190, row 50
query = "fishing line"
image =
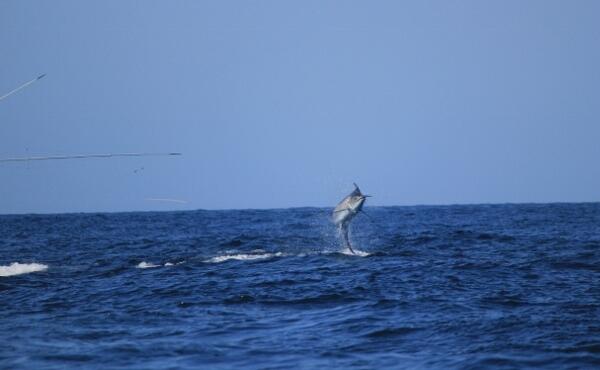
column 82, row 156
column 21, row 87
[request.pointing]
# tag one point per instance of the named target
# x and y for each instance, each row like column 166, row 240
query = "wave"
column 258, row 254
column 392, row 332
column 243, row 257
column 17, row 268
column 149, row 265
column 146, row 265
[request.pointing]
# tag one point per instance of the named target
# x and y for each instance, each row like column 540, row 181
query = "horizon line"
column 295, row 207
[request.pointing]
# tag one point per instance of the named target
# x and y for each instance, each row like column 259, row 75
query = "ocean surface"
column 448, row 287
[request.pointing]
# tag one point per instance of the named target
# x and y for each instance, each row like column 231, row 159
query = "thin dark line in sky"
column 21, row 87
column 82, row 156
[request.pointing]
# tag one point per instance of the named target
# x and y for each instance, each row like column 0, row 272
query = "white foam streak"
column 16, row 268
column 243, row 257
column 232, row 255
column 146, row 265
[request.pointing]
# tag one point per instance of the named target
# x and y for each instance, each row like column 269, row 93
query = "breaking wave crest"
column 260, row 254
column 149, row 265
column 243, row 257
column 17, row 268
column 146, row 265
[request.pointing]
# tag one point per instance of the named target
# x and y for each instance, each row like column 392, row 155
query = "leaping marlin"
column 345, row 211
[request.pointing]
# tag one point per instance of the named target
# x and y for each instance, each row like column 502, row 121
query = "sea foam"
column 243, row 257
column 146, row 265
column 17, row 268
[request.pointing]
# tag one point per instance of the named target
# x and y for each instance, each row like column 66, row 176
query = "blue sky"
column 283, row 104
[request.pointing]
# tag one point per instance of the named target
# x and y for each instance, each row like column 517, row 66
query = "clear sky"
column 285, row 104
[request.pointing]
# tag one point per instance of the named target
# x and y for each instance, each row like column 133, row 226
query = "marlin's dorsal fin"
column 356, row 190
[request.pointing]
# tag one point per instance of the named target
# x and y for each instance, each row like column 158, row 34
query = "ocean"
column 432, row 287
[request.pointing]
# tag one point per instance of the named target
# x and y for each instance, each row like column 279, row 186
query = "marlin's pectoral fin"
column 366, row 214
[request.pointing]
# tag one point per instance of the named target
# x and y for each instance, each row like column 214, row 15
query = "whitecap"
column 243, row 257
column 16, row 268
column 146, row 265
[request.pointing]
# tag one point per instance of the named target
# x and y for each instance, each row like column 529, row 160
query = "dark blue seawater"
column 464, row 287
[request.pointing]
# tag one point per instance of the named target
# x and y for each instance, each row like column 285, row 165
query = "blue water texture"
column 437, row 287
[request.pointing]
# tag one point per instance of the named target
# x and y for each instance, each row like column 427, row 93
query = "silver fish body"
column 345, row 211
